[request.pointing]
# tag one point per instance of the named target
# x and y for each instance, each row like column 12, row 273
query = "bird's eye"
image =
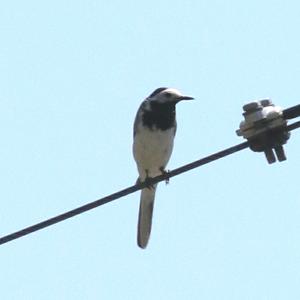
column 168, row 95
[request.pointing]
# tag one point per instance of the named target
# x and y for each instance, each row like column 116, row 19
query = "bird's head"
column 168, row 95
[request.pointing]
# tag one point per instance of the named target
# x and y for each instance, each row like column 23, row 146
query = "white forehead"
column 171, row 91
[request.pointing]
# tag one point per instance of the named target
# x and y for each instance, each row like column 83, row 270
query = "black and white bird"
column 154, row 132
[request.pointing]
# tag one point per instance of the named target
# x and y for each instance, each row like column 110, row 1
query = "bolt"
column 266, row 102
column 252, row 106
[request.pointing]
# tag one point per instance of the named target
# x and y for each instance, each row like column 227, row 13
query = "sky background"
column 72, row 75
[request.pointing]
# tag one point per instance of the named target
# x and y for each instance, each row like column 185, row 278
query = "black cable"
column 294, row 126
column 129, row 190
column 292, row 112
column 122, row 193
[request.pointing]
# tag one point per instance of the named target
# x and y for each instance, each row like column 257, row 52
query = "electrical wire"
column 79, row 210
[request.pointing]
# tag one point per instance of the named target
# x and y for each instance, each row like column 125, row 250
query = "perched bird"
column 154, row 132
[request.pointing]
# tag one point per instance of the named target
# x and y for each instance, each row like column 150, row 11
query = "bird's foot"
column 165, row 172
column 150, row 186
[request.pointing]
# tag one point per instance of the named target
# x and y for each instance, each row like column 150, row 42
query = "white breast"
column 152, row 150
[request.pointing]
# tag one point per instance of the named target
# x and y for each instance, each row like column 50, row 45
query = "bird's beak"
column 185, row 98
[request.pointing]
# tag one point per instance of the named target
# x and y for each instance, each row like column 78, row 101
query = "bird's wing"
column 138, row 117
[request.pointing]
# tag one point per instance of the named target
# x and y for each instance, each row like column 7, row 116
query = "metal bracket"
column 265, row 128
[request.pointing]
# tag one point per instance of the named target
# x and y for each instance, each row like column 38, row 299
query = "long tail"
column 145, row 216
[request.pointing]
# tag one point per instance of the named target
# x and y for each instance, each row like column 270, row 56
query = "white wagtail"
column 154, row 132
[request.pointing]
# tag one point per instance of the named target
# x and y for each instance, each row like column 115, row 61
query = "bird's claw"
column 150, row 186
column 165, row 173
column 148, row 179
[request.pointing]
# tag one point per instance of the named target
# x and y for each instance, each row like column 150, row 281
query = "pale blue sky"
column 73, row 74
